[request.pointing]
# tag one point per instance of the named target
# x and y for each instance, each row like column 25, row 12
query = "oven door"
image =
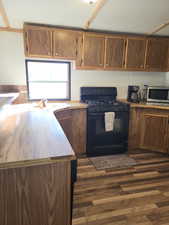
column 101, row 142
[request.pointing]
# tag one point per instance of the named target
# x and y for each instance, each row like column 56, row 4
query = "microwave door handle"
column 168, row 95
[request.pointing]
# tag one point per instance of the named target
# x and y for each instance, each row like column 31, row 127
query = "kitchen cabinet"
column 38, row 42
column 73, row 122
column 149, row 129
column 93, row 51
column 135, row 53
column 67, row 43
column 154, row 133
column 157, row 53
column 115, row 50
column 97, row 51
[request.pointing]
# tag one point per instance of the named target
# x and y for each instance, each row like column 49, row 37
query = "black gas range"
column 101, row 100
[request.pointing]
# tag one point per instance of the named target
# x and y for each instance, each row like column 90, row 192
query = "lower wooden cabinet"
column 149, row 129
column 73, row 122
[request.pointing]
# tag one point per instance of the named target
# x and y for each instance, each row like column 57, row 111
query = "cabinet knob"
column 56, row 54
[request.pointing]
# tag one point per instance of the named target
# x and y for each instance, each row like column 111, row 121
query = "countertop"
column 7, row 98
column 30, row 135
column 145, row 105
column 66, row 105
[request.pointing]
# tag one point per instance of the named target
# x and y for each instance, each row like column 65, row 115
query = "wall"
column 167, row 79
column 12, row 70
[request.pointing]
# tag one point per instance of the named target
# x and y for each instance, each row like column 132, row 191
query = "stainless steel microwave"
column 157, row 94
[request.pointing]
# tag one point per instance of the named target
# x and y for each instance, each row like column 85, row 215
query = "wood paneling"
column 37, row 195
column 65, row 119
column 126, row 196
column 154, row 130
column 38, row 42
column 79, row 124
column 157, row 51
column 93, row 51
column 134, row 128
column 114, row 56
column 67, row 44
column 73, row 123
column 135, row 54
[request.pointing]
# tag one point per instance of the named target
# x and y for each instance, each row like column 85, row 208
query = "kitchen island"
column 36, row 170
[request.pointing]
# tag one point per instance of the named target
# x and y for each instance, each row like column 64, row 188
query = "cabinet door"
column 135, row 54
column 67, row 44
column 157, row 51
column 115, row 48
column 93, row 51
column 154, row 132
column 38, row 42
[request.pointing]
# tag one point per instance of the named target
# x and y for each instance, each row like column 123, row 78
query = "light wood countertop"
column 145, row 105
column 67, row 105
column 30, row 135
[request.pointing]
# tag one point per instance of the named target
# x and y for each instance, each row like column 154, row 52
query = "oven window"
column 48, row 80
column 158, row 94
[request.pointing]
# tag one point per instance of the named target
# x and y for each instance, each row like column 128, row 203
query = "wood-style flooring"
column 134, row 196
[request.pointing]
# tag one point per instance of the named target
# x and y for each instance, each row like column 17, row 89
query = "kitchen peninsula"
column 35, row 167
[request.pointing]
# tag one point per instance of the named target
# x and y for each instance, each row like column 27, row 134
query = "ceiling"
column 135, row 16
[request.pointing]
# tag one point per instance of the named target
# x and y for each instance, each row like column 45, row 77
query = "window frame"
column 49, row 61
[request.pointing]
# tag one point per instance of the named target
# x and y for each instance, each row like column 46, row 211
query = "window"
column 48, row 79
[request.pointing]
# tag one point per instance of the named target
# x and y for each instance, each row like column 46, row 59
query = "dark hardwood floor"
column 134, row 196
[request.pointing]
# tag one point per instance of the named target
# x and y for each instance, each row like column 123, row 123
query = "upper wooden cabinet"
column 38, row 42
column 157, row 52
column 93, row 51
column 135, row 53
column 67, row 44
column 115, row 49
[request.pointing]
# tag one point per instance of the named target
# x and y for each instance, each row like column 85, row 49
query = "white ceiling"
column 136, row 16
